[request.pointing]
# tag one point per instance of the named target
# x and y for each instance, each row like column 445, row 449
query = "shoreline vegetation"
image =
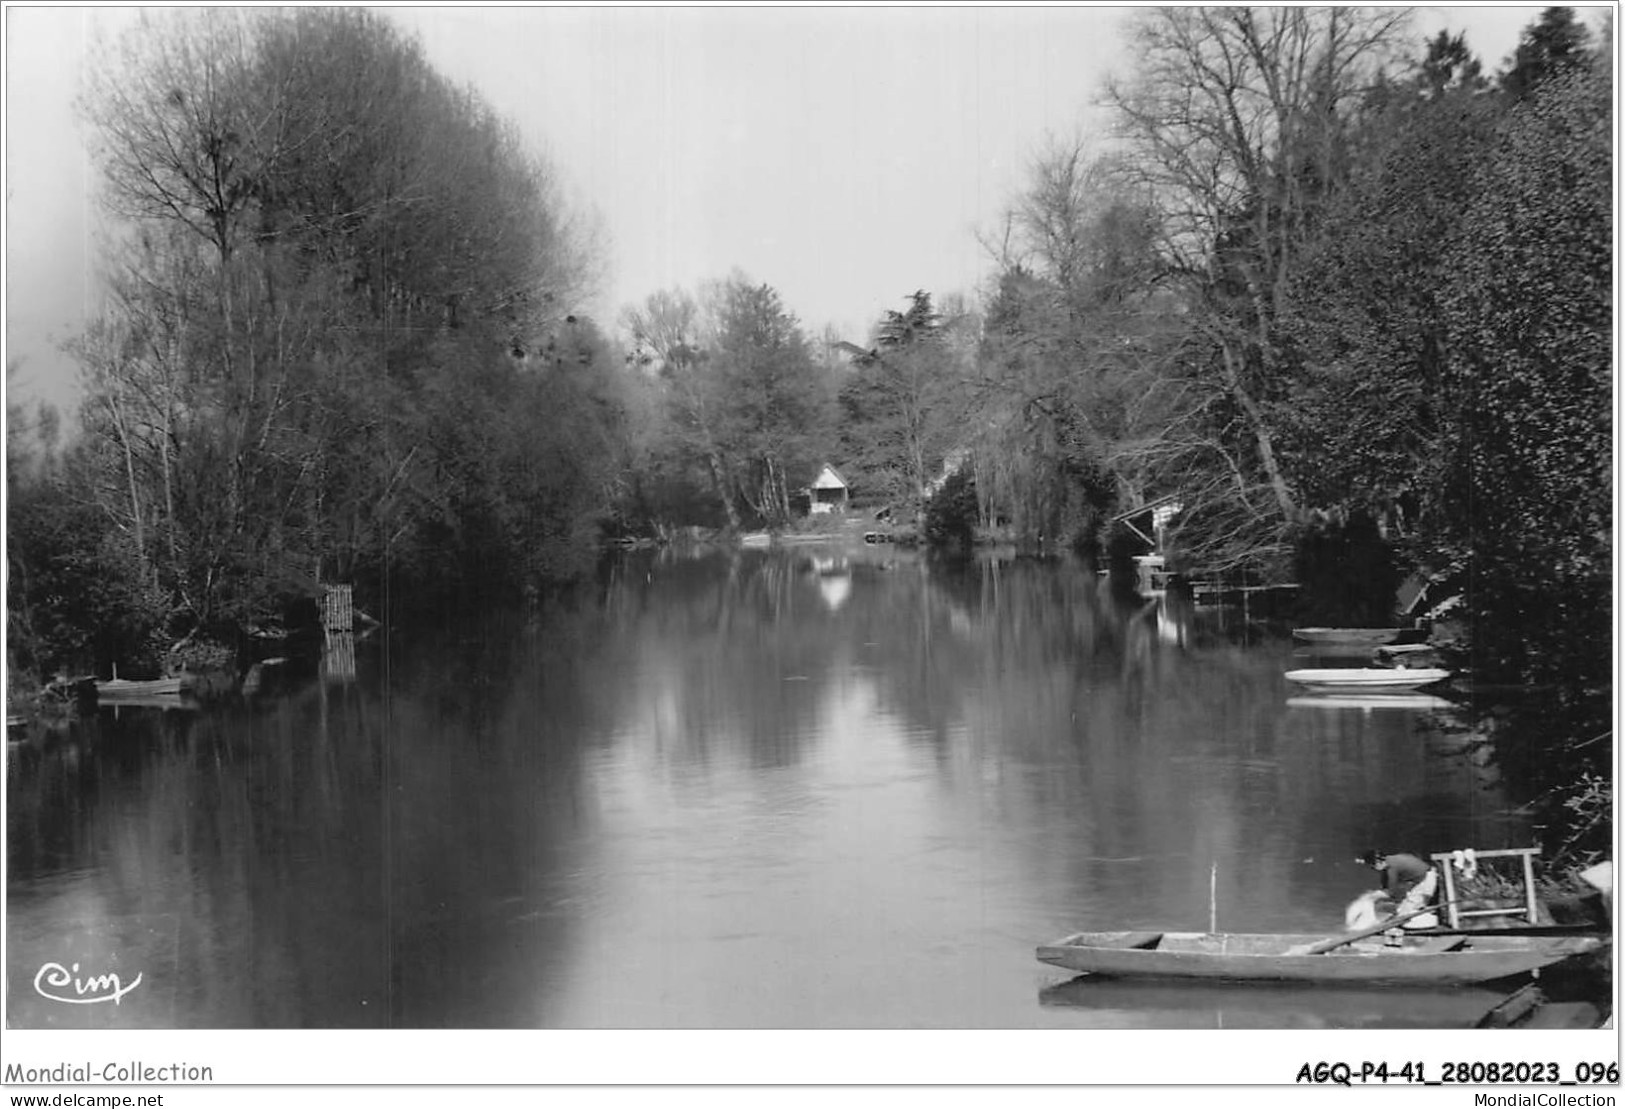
column 1290, row 341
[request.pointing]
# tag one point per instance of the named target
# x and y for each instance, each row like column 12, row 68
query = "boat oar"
column 1392, row 922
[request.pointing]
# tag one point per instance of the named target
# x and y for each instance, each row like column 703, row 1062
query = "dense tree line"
column 1342, row 300
column 338, row 346
column 1456, row 361
column 738, row 408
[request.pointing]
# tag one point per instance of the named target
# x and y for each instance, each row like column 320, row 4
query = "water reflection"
column 834, row 579
column 1120, row 1004
column 1368, row 702
column 767, row 788
column 332, row 858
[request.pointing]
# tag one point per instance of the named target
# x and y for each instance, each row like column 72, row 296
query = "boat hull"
column 1368, row 678
column 119, row 689
column 168, row 702
column 1435, row 960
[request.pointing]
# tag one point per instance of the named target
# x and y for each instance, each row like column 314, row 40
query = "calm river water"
column 792, row 788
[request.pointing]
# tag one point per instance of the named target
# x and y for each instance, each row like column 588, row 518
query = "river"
column 811, row 787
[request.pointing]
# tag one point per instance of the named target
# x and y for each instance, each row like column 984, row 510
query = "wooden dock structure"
column 1211, row 592
column 338, row 609
column 1528, row 909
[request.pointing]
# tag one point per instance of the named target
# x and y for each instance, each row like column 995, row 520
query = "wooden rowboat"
column 1436, row 960
column 119, row 688
column 168, row 702
column 1378, row 677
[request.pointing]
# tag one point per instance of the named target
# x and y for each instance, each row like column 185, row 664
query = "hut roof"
column 828, row 479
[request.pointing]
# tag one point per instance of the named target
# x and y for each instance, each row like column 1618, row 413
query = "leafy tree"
column 1553, row 44
column 77, row 594
column 1034, row 443
column 1361, row 319
column 1526, row 495
column 748, row 404
column 1449, row 66
column 897, row 408
column 668, row 336
column 918, row 323
column 1451, row 330
column 951, row 514
column 1521, row 501
column 1080, row 402
column 773, row 413
column 337, row 292
column 501, row 506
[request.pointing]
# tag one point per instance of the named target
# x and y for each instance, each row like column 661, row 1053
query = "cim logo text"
column 56, row 982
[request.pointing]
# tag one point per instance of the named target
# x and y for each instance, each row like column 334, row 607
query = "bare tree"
column 1237, row 120
column 667, row 337
column 1081, row 398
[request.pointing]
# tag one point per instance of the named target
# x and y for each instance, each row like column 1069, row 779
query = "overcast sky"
column 846, row 156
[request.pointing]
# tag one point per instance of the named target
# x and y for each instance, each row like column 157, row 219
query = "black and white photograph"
column 866, row 524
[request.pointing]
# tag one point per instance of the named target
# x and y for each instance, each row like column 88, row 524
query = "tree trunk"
column 129, row 473
column 1260, row 430
column 719, row 478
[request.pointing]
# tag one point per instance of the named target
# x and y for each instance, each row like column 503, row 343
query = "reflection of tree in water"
column 490, row 819
column 342, row 856
column 923, row 632
column 1048, row 702
column 722, row 655
column 52, row 784
column 183, row 818
column 1162, row 750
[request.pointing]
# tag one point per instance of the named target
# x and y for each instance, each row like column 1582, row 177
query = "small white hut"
column 829, row 492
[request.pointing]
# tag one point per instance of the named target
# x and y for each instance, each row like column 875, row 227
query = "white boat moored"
column 1367, row 677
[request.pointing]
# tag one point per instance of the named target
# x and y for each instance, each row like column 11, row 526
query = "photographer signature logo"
column 55, row 981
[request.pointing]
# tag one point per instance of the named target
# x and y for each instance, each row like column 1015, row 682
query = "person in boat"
column 1411, row 882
